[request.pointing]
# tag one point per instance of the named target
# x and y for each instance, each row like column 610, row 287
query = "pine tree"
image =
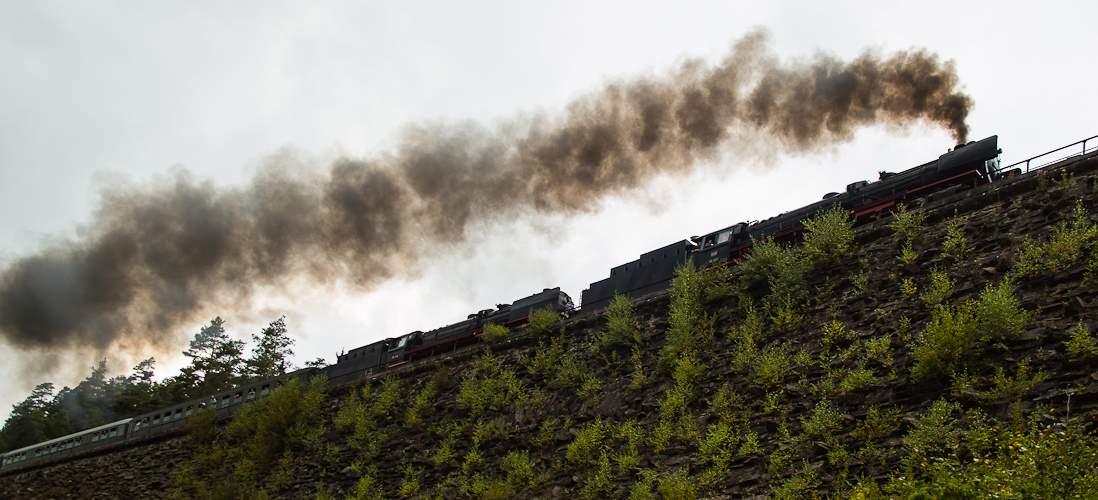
column 216, row 361
column 271, row 353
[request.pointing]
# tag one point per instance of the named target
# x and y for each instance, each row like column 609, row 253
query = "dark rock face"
column 864, row 293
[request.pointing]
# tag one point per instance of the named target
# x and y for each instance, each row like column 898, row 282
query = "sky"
column 108, row 99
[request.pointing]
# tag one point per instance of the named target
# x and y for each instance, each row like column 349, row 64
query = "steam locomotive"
column 964, row 168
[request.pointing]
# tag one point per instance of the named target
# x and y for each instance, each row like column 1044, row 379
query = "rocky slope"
column 821, row 400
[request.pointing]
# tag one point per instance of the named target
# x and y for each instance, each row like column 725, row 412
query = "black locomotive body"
column 963, row 168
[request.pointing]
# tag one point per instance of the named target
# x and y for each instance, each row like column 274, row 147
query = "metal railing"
column 1054, row 151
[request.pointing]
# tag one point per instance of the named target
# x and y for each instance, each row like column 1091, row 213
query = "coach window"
column 189, row 410
column 79, row 441
column 265, row 390
column 156, row 419
column 225, row 400
column 114, row 431
column 167, row 416
column 236, row 399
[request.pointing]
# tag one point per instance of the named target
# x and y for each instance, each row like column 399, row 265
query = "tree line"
column 217, row 362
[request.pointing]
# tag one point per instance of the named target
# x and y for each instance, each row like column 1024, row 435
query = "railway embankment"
column 941, row 354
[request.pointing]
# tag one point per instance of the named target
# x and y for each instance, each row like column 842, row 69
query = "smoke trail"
column 159, row 255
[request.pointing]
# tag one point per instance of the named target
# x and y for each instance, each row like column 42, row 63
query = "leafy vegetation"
column 906, row 225
column 541, row 322
column 263, row 436
column 829, row 236
column 690, row 327
column 759, row 393
column 1068, row 244
column 621, row 324
column 216, row 362
column 494, row 333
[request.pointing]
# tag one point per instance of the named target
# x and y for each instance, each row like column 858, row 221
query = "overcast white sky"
column 93, row 94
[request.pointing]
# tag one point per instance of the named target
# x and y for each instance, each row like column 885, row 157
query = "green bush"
column 940, row 289
column 878, row 423
column 835, row 332
column 369, row 487
column 260, row 440
column 906, row 225
column 949, row 343
column 1082, row 343
column 494, row 333
column 772, row 365
column 542, row 321
column 907, row 254
column 727, row 404
column 1006, row 388
column 933, row 436
column 1033, row 461
column 572, row 371
column 518, row 468
column 676, row 418
column 998, row 313
column 1068, row 244
column 824, row 421
column 423, row 400
column 908, row 288
column 367, row 411
column 690, row 327
column 766, row 259
column 487, row 387
column 677, row 486
column 287, row 420
column 445, row 455
column 829, row 236
column 547, row 358
column 633, row 436
column 642, row 490
column 600, row 483
column 409, row 482
column 587, row 443
column 621, row 324
column 718, row 447
column 955, row 245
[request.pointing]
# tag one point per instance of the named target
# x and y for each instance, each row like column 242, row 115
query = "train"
column 965, row 167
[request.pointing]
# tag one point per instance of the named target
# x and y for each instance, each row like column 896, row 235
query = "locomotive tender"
column 964, row 168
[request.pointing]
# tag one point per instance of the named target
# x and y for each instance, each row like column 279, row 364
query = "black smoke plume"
column 159, row 255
